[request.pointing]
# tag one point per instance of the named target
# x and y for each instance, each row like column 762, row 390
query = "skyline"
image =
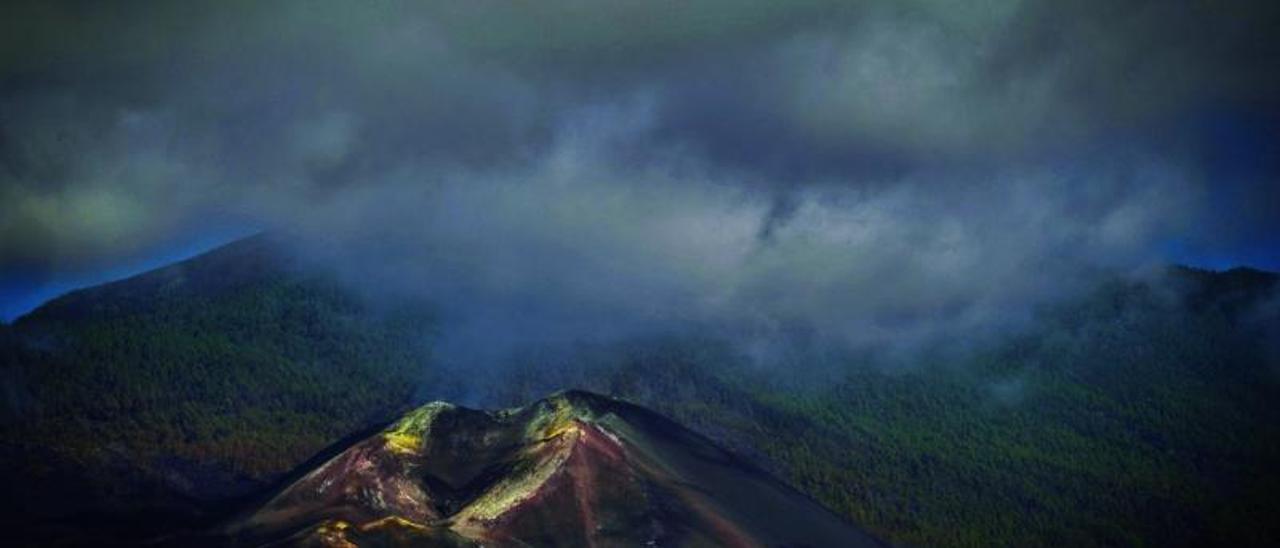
column 19, row 298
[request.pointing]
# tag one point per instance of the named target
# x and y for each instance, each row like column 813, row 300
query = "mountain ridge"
column 572, row 468
column 163, row 407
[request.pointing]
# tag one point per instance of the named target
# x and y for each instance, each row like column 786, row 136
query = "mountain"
column 176, row 391
column 1141, row 412
column 574, row 469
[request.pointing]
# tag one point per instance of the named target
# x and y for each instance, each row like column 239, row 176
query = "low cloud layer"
column 884, row 175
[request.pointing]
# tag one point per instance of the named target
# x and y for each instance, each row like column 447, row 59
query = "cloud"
column 881, row 174
column 587, row 243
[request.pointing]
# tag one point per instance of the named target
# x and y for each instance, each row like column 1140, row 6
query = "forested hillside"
column 1143, row 414
column 198, row 382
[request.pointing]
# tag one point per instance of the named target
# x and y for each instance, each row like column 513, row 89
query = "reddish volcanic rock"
column 574, row 469
column 363, row 483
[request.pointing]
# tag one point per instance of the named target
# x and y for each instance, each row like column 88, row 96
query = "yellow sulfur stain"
column 407, row 435
column 403, row 443
column 393, row 521
column 560, row 422
column 333, row 534
column 559, row 419
column 556, row 430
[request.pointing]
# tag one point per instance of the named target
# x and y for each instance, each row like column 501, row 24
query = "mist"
column 891, row 176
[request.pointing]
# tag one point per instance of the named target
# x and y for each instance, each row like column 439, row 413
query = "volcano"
column 574, row 469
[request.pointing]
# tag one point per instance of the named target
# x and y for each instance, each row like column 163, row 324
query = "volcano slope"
column 574, row 469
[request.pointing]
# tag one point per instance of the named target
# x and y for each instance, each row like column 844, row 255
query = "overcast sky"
column 875, row 171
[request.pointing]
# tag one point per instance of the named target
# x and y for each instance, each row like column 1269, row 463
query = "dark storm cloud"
column 890, row 171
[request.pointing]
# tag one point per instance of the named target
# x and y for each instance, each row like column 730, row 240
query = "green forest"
column 1124, row 419
column 1135, row 416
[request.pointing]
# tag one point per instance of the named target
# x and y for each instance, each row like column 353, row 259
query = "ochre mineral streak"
column 573, row 469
